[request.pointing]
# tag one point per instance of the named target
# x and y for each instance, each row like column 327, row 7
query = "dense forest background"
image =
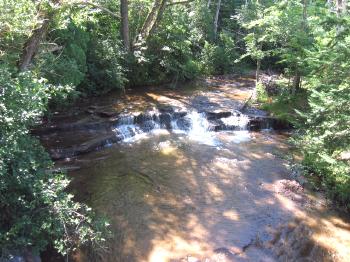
column 55, row 51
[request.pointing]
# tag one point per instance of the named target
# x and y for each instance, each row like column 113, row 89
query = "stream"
column 192, row 175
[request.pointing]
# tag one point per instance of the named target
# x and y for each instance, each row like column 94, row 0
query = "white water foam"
column 200, row 129
column 237, row 120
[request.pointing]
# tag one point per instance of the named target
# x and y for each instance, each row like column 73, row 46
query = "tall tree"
column 216, row 19
column 124, row 13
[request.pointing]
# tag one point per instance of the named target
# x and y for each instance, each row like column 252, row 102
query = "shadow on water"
column 169, row 199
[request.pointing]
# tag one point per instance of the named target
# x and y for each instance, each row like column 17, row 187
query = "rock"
column 225, row 252
column 95, row 125
column 294, row 242
column 107, row 113
column 180, row 114
column 165, row 120
column 213, row 115
column 165, row 109
column 183, row 124
column 84, row 148
column 90, row 111
column 143, row 117
column 147, row 126
column 257, row 122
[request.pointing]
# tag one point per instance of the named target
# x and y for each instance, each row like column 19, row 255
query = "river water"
column 193, row 194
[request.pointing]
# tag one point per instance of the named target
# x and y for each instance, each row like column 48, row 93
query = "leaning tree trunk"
column 151, row 20
column 159, row 16
column 216, row 19
column 125, row 24
column 32, row 45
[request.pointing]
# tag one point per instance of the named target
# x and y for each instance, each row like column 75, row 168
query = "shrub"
column 219, row 58
column 67, row 66
column 35, row 208
column 105, row 69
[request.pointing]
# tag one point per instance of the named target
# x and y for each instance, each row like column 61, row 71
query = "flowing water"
column 175, row 188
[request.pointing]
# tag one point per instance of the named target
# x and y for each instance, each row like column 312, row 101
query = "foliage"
column 35, row 207
column 327, row 123
column 105, row 65
column 81, row 54
column 284, row 105
column 219, row 58
column 17, row 19
column 169, row 54
column 261, row 93
column 66, row 66
column 309, row 40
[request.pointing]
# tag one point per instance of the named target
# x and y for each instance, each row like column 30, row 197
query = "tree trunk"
column 159, row 17
column 304, row 14
column 296, row 83
column 124, row 13
column 217, row 18
column 32, row 45
column 257, row 79
column 208, row 4
column 340, row 6
column 152, row 20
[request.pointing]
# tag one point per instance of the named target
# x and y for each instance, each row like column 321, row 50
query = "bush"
column 327, row 122
column 67, row 66
column 105, row 70
column 35, row 209
column 219, row 58
column 327, row 137
column 261, row 93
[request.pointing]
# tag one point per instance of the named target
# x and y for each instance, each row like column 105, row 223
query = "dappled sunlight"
column 332, row 233
column 166, row 100
column 173, row 198
column 175, row 247
column 231, row 214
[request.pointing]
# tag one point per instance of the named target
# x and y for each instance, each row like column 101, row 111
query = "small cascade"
column 128, row 131
column 199, row 126
column 237, row 120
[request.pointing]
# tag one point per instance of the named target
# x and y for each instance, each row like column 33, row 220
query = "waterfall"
column 199, row 126
column 237, row 120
